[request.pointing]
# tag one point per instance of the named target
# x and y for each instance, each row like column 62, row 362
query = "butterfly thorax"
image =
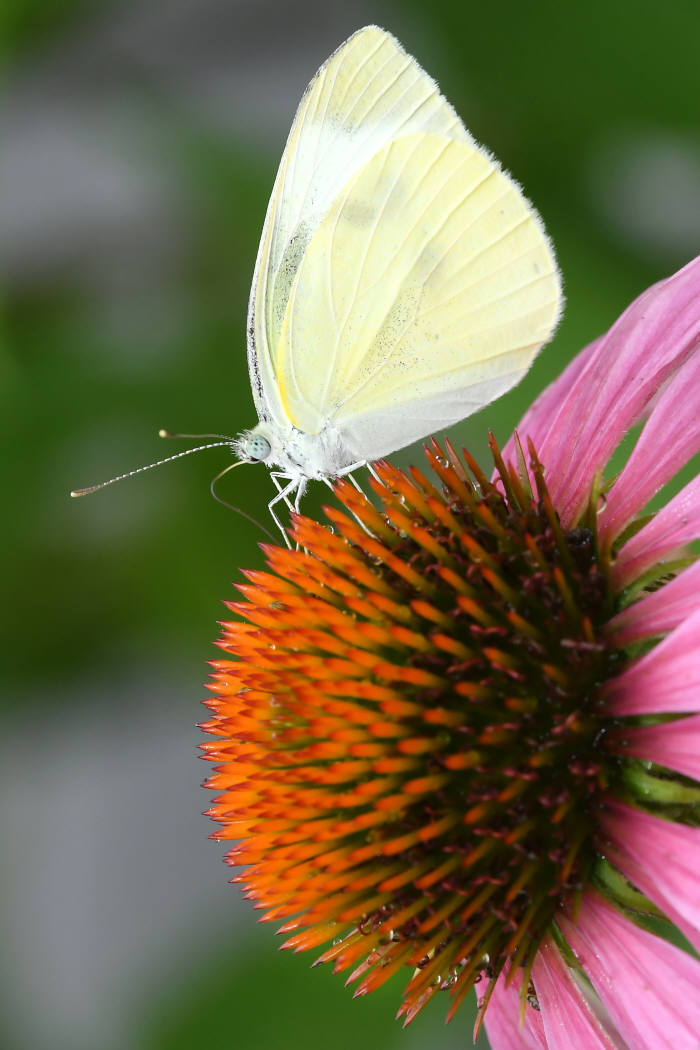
column 295, row 453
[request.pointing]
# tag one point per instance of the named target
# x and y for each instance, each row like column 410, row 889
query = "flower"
column 461, row 733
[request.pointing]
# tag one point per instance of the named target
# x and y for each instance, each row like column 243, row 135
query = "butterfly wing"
column 424, row 293
column 369, row 93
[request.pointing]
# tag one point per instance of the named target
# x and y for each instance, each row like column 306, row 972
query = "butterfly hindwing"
column 424, row 293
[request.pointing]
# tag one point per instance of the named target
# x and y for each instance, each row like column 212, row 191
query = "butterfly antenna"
column 237, row 510
column 170, row 434
column 159, row 463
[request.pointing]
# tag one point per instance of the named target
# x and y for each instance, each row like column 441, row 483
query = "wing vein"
column 337, row 128
column 370, row 242
column 426, row 241
column 448, row 216
column 458, row 368
column 499, row 298
column 340, row 331
column 359, row 69
column 492, row 273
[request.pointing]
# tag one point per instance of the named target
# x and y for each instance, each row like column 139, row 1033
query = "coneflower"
column 460, row 730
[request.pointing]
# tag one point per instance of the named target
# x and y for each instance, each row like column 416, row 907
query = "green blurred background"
column 138, row 145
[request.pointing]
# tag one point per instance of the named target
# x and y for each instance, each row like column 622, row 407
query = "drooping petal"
column 502, row 1020
column 658, row 612
column 650, row 988
column 665, row 535
column 569, row 1023
column 675, row 745
column 666, row 679
column 661, row 858
column 581, row 418
column 671, row 436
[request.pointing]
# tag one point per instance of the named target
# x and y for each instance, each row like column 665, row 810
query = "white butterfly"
column 402, row 280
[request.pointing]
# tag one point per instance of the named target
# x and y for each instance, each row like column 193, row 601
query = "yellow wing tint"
column 368, row 93
column 430, row 277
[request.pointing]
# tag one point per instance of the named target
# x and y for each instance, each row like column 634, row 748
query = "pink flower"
column 466, row 740
column 601, row 980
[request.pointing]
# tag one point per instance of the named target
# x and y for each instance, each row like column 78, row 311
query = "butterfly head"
column 293, row 452
column 254, row 446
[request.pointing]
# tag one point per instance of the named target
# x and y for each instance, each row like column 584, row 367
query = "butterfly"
column 402, row 282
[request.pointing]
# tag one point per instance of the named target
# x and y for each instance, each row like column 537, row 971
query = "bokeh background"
column 138, row 145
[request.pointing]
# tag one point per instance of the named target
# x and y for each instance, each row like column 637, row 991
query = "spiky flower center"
column 418, row 761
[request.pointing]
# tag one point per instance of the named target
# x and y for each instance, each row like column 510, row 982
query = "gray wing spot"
column 284, row 278
column 359, row 213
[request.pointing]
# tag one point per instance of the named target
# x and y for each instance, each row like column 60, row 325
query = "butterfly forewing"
column 369, row 93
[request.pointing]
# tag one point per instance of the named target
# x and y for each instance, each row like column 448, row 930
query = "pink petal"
column 650, row 988
column 569, row 1022
column 502, row 1020
column 581, row 418
column 666, row 534
column 661, row 858
column 667, row 679
column 669, row 439
column 658, row 612
column 675, row 745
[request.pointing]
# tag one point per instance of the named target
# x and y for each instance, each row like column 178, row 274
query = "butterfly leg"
column 293, row 508
column 374, row 474
column 347, row 473
column 301, row 489
column 283, row 492
column 277, row 478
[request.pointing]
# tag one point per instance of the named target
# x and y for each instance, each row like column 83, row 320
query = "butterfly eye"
column 257, row 447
